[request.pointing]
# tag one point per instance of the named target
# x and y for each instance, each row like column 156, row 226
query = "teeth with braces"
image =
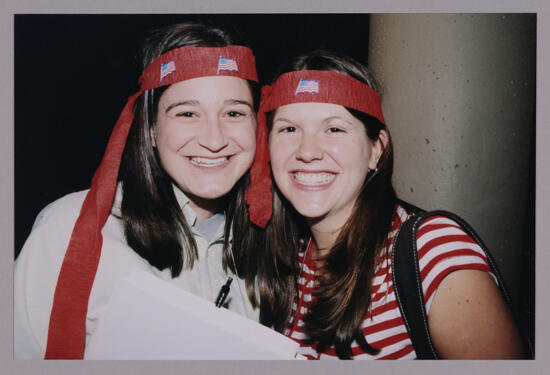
column 313, row 178
column 206, row 162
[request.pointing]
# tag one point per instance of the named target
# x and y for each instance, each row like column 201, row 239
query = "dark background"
column 74, row 73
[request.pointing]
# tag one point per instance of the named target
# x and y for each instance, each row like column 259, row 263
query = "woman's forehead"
column 206, row 88
column 312, row 110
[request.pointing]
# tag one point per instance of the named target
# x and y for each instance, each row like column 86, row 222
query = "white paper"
column 149, row 318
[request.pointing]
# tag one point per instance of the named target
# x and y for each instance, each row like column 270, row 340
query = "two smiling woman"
column 322, row 272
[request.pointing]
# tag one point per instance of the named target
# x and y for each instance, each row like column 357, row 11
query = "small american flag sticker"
column 307, row 85
column 167, row 69
column 227, row 64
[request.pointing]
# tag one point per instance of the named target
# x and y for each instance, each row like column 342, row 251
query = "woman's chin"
column 311, row 212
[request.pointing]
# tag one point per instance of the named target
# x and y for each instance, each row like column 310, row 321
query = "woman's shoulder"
column 441, row 235
column 443, row 243
column 45, row 247
column 436, row 227
column 53, row 226
column 67, row 208
column 446, row 233
column 50, row 234
column 64, row 208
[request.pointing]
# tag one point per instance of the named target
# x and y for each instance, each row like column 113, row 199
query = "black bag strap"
column 408, row 285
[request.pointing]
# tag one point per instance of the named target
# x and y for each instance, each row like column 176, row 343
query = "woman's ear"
column 153, row 137
column 378, row 148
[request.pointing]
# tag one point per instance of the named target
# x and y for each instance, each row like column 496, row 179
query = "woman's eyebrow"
column 185, row 102
column 196, row 102
column 281, row 119
column 238, row 101
column 328, row 119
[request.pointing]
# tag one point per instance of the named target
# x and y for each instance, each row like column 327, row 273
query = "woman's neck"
column 325, row 229
column 324, row 236
column 203, row 208
column 323, row 240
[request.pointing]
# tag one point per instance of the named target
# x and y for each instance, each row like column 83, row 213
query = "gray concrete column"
column 459, row 99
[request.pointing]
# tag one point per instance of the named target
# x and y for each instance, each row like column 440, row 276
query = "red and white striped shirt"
column 443, row 247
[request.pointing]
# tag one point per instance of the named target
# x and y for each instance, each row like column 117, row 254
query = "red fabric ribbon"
column 67, row 328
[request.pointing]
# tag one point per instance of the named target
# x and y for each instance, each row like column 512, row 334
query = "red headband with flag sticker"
column 302, row 86
column 67, row 328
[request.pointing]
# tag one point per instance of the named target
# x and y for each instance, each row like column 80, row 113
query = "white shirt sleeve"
column 36, row 272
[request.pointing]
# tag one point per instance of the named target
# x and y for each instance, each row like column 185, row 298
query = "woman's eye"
column 335, row 130
column 288, row 129
column 235, row 114
column 185, row 114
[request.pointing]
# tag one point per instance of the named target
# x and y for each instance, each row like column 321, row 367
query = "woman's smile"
column 313, row 179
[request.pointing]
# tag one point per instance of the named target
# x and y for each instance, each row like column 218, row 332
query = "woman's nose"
column 212, row 136
column 309, row 149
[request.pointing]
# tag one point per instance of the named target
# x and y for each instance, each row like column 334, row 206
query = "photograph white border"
column 11, row 7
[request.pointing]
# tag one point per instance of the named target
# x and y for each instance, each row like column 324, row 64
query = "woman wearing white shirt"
column 169, row 210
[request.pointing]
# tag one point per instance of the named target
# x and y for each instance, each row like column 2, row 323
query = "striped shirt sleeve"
column 444, row 247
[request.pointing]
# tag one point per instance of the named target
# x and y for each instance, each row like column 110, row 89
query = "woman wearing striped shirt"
column 326, row 280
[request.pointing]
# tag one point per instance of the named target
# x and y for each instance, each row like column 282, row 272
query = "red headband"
column 67, row 329
column 301, row 86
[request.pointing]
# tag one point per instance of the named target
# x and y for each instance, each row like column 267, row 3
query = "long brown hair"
column 343, row 293
column 154, row 224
